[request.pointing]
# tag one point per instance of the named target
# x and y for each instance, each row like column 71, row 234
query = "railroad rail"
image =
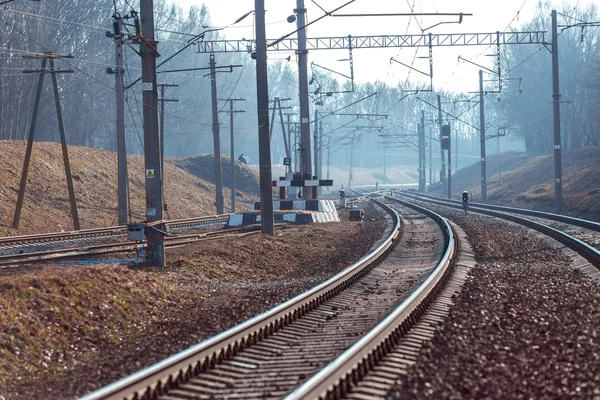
column 235, row 352
column 507, row 213
column 102, row 232
column 115, row 248
column 582, row 223
column 57, row 245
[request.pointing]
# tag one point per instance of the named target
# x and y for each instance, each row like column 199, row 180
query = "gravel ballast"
column 525, row 326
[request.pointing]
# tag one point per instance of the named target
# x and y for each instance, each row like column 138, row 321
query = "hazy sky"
column 372, row 64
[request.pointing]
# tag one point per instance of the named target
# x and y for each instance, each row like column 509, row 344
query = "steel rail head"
column 333, row 381
column 156, row 379
column 582, row 223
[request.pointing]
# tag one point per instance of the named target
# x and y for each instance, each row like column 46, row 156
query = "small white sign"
column 557, row 147
column 305, row 120
column 483, row 159
column 150, row 173
column 147, row 86
column 151, row 212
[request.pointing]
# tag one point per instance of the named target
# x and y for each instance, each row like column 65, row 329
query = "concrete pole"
column 232, row 143
column 155, row 253
column 351, row 159
column 305, row 156
column 30, row 137
column 63, row 142
column 558, row 196
column 320, row 169
column 316, row 152
column 121, row 140
column 442, row 154
column 328, row 157
column 450, row 165
column 264, row 143
column 216, row 138
column 482, row 138
column 422, row 153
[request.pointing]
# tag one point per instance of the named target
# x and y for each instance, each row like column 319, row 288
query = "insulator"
column 117, row 28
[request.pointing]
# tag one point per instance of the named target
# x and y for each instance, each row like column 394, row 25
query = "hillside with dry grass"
column 46, row 207
column 520, row 180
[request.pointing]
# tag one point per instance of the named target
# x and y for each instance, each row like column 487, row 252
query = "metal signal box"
column 136, row 232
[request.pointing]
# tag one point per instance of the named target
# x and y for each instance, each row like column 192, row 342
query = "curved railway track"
column 586, row 244
column 271, row 354
column 351, row 337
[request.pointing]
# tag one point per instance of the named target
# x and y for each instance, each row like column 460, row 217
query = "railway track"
column 63, row 245
column 580, row 235
column 272, row 354
column 352, row 337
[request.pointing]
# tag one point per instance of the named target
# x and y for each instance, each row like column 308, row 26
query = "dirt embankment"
column 203, row 167
column 521, row 180
column 46, row 207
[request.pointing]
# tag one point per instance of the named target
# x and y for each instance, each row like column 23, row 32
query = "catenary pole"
column 232, row 112
column 558, row 196
column 155, row 253
column 262, row 103
column 123, row 181
column 442, row 154
column 450, row 165
column 482, row 138
column 305, row 150
column 216, row 137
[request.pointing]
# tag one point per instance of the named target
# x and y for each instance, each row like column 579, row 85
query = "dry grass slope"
column 46, row 207
column 528, row 181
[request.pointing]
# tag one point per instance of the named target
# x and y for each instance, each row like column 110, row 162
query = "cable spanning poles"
column 232, row 112
column 47, row 58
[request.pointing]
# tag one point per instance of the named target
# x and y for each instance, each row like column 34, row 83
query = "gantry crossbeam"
column 379, row 41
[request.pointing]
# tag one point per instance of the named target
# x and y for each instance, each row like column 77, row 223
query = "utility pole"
column 262, row 103
column 422, row 153
column 123, row 180
column 351, row 159
column 305, row 156
column 316, row 150
column 482, row 138
column 46, row 58
column 216, row 136
column 450, row 165
column 30, row 138
column 443, row 170
column 163, row 89
column 155, row 252
column 320, row 169
column 63, row 143
column 232, row 112
column 328, row 157
column 430, row 156
column 384, row 163
column 558, row 200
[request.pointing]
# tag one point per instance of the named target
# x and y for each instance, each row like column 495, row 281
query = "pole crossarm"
column 381, row 41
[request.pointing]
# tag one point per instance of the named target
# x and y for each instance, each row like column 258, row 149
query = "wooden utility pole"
column 155, row 253
column 232, row 112
column 47, row 57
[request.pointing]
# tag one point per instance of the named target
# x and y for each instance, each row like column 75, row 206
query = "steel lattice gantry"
column 379, row 42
